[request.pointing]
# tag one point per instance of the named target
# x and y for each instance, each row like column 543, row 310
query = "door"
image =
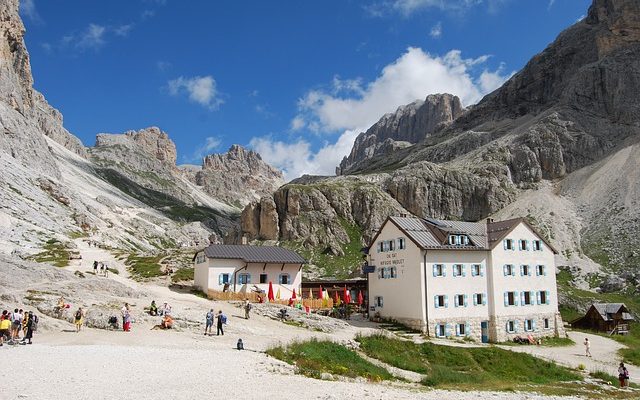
column 484, row 326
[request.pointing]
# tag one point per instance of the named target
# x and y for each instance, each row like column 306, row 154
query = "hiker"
column 95, row 267
column 79, row 319
column 209, row 322
column 15, row 326
column 623, row 375
column 166, row 309
column 166, row 323
column 31, row 322
column 5, row 327
column 103, row 269
column 259, row 299
column 222, row 319
column 247, row 308
column 153, row 308
column 587, row 347
column 126, row 318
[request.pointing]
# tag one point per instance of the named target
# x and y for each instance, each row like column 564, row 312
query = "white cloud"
column 210, row 145
column 551, row 2
column 412, row 76
column 28, row 9
column 163, row 65
column 92, row 37
column 297, row 123
column 201, row 90
column 436, row 30
column 123, row 30
column 407, row 7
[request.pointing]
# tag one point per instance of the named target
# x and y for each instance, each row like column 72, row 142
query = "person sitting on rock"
column 153, row 309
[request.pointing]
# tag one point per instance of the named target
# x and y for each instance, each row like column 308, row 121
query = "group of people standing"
column 15, row 324
column 221, row 321
column 100, row 268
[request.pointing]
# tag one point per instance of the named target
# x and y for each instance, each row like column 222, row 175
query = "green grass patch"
column 55, row 252
column 552, row 341
column 114, row 271
column 183, row 274
column 144, row 267
column 466, row 368
column 77, row 234
column 315, row 357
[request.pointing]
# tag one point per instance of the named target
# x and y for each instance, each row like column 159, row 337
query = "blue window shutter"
column 538, row 298
column 484, row 299
column 504, row 269
column 437, row 330
column 444, row 271
column 446, row 301
column 447, row 330
column 435, row 270
column 515, row 298
column 531, row 294
column 465, row 300
column 464, row 270
column 522, row 270
column 457, row 329
column 475, row 299
column 505, row 243
column 544, row 269
column 519, row 244
column 537, row 270
column 481, row 270
column 528, row 245
column 220, row 279
column 517, row 325
column 547, row 299
column 522, row 298
column 455, row 300
column 466, row 329
column 506, row 326
column 513, row 270
column 248, row 278
column 435, row 301
column 534, row 325
column 506, row 299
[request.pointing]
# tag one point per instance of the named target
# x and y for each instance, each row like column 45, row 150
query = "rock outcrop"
column 409, row 125
column 238, row 176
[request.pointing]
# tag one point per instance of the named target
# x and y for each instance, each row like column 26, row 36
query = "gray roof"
column 606, row 310
column 433, row 233
column 254, row 254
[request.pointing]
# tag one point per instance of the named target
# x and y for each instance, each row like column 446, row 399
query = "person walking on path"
column 126, row 318
column 623, row 375
column 95, row 268
column 247, row 308
column 5, row 326
column 31, row 326
column 79, row 319
column 587, row 347
column 221, row 320
column 209, row 322
column 103, row 267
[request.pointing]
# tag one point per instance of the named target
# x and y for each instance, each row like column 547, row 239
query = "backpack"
column 78, row 315
column 626, row 373
column 223, row 318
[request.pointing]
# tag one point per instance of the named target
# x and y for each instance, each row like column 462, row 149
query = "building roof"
column 254, row 254
column 607, row 310
column 429, row 233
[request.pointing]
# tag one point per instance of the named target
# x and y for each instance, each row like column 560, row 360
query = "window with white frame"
column 537, row 245
column 440, row 301
column 508, row 244
column 462, row 329
column 223, row 279
column 527, row 298
column 458, row 240
column 439, row 270
column 458, row 270
column 543, row 297
column 509, row 270
column 263, row 278
column 388, row 245
column 479, row 299
column 541, row 270
column 401, row 244
column 460, row 300
column 546, row 323
column 529, row 325
column 525, row 270
column 244, row 278
column 510, row 299
column 378, row 301
column 523, row 244
column 511, row 326
column 476, row 270
column 441, row 330
column 284, row 279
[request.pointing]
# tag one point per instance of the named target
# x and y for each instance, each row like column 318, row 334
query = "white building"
column 239, row 268
column 487, row 280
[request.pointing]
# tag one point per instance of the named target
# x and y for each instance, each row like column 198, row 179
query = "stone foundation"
column 498, row 326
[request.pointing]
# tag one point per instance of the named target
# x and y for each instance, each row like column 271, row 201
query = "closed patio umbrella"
column 293, row 295
column 270, row 293
column 360, row 298
column 321, row 293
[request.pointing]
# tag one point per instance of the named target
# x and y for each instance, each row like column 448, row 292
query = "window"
column 458, row 240
column 546, row 323
column 441, row 301
column 460, row 300
column 462, row 329
column 525, row 270
column 388, row 245
column 509, row 270
column 529, row 325
column 284, row 279
column 393, row 272
column 476, row 270
column 541, row 270
column 244, row 279
column 223, row 279
column 537, row 245
column 512, row 326
column 200, row 258
column 441, row 330
column 510, row 299
column 391, row 245
column 438, row 270
column 527, row 298
column 387, row 273
column 479, row 299
column 380, row 247
column 263, row 278
column 508, row 244
column 543, row 297
column 458, row 270
column 523, row 244
column 377, row 301
column 401, row 244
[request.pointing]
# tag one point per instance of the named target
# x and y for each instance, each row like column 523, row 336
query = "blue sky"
column 295, row 80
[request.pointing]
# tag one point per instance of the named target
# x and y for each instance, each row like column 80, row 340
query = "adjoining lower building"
column 240, row 268
column 613, row 318
column 489, row 280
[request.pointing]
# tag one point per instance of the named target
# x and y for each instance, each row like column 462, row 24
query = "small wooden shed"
column 612, row 318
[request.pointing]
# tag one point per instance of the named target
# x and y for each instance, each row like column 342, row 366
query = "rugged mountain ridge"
column 409, row 125
column 532, row 148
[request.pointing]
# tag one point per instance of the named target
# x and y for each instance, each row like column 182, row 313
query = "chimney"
column 244, row 239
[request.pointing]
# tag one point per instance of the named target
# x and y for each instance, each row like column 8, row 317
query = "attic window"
column 458, row 240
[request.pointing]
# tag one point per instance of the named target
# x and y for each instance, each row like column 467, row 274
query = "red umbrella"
column 321, row 293
column 270, row 293
column 360, row 298
column 349, row 296
column 336, row 297
column 345, row 295
column 293, row 296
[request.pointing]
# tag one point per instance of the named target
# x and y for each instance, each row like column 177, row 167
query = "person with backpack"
column 30, row 328
column 623, row 375
column 95, row 268
column 247, row 308
column 209, row 322
column 16, row 319
column 5, row 327
column 78, row 319
column 222, row 319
